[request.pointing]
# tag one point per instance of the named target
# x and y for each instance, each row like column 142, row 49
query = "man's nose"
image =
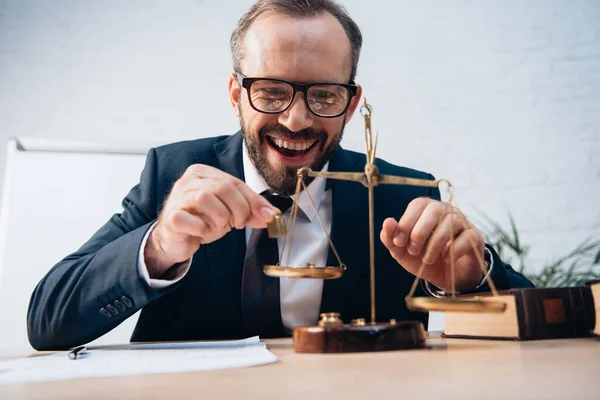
column 298, row 116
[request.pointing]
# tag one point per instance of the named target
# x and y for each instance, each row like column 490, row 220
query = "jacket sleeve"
column 503, row 275
column 96, row 288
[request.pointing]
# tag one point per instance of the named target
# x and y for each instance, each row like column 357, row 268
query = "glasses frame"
column 246, row 83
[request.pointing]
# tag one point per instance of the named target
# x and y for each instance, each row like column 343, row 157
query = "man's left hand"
column 423, row 235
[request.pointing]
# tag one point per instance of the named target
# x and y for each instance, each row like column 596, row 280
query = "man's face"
column 304, row 50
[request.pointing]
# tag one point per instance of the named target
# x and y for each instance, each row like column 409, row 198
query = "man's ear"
column 235, row 91
column 354, row 104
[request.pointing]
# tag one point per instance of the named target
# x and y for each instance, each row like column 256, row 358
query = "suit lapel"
column 226, row 255
column 348, row 233
column 229, row 155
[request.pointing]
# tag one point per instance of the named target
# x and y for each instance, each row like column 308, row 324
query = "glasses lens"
column 270, row 96
column 328, row 100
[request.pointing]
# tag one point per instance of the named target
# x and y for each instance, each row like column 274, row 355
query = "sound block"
column 359, row 337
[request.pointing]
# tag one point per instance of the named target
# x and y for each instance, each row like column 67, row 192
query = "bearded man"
column 189, row 245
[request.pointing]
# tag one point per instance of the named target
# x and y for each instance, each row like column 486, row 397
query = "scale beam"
column 371, row 178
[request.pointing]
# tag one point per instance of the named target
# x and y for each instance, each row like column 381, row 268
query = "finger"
column 183, row 222
column 238, row 206
column 262, row 212
column 201, row 171
column 424, row 226
column 464, row 224
column 196, row 176
column 409, row 219
column 388, row 232
column 450, row 227
column 207, row 205
column 470, row 240
column 399, row 254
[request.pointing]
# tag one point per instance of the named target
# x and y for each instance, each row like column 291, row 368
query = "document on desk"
column 136, row 359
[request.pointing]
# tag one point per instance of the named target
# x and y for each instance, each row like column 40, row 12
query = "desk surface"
column 450, row 368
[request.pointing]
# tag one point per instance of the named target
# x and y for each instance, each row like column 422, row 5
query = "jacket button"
column 119, row 305
column 104, row 312
column 112, row 309
column 125, row 300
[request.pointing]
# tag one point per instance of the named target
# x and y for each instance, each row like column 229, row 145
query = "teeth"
column 293, row 146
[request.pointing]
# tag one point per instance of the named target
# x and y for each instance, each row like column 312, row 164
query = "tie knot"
column 282, row 202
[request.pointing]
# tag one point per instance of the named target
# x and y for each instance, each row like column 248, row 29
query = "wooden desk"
column 450, row 369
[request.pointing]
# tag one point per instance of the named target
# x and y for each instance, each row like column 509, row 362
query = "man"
column 184, row 248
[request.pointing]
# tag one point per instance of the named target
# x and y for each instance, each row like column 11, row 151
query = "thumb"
column 387, row 234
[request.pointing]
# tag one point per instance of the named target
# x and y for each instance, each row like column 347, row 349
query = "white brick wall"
column 502, row 97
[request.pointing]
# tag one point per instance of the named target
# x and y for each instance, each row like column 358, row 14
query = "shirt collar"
column 316, row 188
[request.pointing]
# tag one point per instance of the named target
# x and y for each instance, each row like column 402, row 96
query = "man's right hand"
column 204, row 205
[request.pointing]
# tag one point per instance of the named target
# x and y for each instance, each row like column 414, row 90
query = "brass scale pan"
column 425, row 304
column 277, row 228
column 310, row 271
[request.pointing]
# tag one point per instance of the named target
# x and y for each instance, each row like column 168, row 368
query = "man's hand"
column 204, row 205
column 416, row 238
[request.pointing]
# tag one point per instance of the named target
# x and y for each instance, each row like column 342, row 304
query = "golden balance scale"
column 331, row 335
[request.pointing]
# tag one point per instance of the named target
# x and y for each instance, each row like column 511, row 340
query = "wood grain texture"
column 448, row 368
column 352, row 338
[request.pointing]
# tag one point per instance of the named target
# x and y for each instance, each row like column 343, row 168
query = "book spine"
column 555, row 313
column 584, row 312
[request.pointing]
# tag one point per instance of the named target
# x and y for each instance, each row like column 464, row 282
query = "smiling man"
column 280, row 129
column 190, row 243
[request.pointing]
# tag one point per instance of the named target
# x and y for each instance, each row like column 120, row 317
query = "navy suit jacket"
column 69, row 305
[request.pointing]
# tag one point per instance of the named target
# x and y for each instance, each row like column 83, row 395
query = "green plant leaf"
column 574, row 268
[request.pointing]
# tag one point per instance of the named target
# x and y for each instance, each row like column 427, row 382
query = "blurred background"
column 502, row 97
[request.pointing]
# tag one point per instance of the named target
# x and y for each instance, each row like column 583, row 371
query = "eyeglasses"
column 274, row 96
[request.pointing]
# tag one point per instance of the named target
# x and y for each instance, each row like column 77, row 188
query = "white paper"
column 135, row 359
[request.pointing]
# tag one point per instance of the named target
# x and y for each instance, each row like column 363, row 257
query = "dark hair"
column 297, row 8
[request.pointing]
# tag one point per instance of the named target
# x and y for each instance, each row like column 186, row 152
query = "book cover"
column 545, row 313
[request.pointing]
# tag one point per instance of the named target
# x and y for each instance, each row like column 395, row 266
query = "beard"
column 283, row 179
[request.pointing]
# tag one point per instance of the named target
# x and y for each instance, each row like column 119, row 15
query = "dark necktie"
column 261, row 311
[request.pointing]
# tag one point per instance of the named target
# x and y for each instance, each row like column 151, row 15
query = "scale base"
column 359, row 337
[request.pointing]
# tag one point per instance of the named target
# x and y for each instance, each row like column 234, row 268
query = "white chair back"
column 56, row 195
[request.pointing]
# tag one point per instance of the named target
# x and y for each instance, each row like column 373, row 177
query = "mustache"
column 282, row 132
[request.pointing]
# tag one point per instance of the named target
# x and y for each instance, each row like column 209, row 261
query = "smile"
column 291, row 148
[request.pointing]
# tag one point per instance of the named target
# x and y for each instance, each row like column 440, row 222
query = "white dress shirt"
column 300, row 298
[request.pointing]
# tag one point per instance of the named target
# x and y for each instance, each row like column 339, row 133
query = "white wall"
column 502, row 97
